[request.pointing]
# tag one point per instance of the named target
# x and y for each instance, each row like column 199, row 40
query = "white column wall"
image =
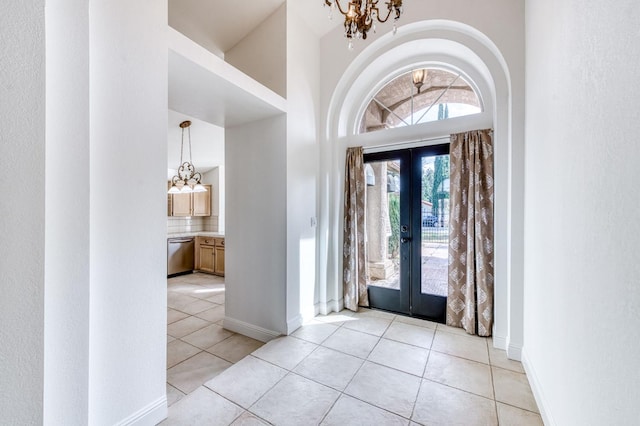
column 256, row 229
column 303, row 88
column 582, row 298
column 22, row 161
column 128, row 118
column 66, row 363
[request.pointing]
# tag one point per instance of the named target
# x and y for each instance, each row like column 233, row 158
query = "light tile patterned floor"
column 369, row 368
column 198, row 348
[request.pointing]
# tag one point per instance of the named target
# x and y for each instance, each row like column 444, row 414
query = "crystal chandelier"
column 187, row 180
column 360, row 16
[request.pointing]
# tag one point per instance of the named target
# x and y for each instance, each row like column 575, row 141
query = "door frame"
column 409, row 300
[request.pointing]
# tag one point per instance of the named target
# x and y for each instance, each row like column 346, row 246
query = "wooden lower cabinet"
column 219, row 261
column 207, row 258
column 210, row 255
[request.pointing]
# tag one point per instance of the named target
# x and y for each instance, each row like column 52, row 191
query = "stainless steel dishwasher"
column 180, row 256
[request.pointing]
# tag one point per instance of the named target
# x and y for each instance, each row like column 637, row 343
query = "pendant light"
column 186, row 180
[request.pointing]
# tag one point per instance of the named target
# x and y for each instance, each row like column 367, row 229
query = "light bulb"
column 199, row 188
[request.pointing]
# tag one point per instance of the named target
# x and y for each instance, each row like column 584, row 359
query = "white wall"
column 501, row 46
column 262, row 54
column 66, row 323
column 303, row 88
column 582, row 299
column 22, row 154
column 256, row 229
column 128, row 118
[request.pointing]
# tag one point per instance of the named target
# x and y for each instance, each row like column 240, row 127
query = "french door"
column 407, row 230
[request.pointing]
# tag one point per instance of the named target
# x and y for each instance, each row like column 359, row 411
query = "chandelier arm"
column 337, row 3
column 382, row 21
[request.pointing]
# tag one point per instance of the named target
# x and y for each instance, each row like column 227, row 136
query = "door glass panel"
column 435, row 224
column 382, row 221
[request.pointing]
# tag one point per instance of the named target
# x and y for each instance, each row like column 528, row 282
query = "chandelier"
column 187, row 179
column 360, row 16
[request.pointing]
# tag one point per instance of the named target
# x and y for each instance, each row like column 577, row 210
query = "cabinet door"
column 202, row 202
column 181, row 205
column 207, row 255
column 219, row 261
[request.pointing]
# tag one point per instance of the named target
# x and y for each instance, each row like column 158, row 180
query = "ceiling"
column 219, row 25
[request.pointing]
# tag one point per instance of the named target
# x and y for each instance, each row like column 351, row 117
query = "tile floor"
column 198, row 348
column 346, row 368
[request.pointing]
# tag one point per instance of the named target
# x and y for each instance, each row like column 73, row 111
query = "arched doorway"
column 450, row 45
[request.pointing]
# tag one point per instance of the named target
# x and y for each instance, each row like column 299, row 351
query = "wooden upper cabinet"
column 202, row 202
column 181, row 205
column 193, row 204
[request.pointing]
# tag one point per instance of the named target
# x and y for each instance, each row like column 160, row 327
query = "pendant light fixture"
column 187, row 180
column 360, row 16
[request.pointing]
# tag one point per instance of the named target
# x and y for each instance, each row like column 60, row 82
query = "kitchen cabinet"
column 210, row 255
column 207, row 258
column 219, row 259
column 192, row 204
column 180, row 205
column 201, row 202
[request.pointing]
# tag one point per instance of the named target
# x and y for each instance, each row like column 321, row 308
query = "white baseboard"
column 325, row 308
column 249, row 330
column 500, row 342
column 294, row 324
column 514, row 352
column 534, row 382
column 150, row 415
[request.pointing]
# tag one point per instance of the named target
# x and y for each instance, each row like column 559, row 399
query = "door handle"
column 405, row 239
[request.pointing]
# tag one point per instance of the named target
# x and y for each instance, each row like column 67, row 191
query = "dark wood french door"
column 407, row 230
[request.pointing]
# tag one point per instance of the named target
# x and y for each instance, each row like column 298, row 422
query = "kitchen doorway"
column 407, row 230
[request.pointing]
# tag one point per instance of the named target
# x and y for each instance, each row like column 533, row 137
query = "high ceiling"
column 219, row 25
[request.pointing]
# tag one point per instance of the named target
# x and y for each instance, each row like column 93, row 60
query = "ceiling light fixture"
column 418, row 77
column 187, row 179
column 360, row 16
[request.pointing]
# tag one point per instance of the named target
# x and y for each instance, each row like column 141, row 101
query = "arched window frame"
column 444, row 66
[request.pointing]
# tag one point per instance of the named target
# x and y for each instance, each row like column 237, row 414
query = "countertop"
column 195, row 234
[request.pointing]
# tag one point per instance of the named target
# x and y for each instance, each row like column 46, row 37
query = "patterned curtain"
column 354, row 280
column 470, row 299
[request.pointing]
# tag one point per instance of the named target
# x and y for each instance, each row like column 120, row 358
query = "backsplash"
column 177, row 225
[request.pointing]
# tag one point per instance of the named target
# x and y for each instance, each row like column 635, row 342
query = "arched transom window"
column 420, row 96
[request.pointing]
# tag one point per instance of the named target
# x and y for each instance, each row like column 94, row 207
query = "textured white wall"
column 262, row 54
column 128, row 133
column 255, row 235
column 66, row 322
column 22, row 161
column 303, row 88
column 582, row 298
